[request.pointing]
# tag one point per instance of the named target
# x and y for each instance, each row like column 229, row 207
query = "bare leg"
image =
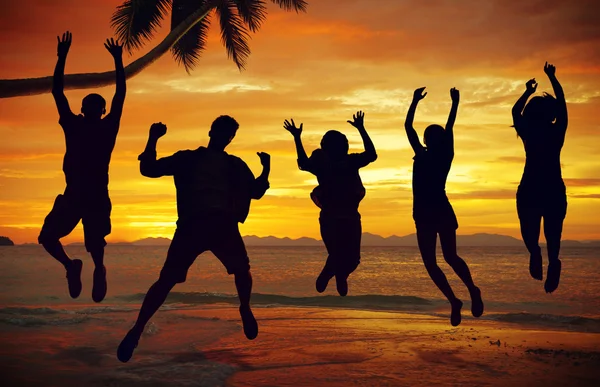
column 72, row 266
column 243, row 283
column 156, row 296
column 427, row 241
column 448, row 242
column 530, row 231
column 100, row 285
column 56, row 250
column 553, row 232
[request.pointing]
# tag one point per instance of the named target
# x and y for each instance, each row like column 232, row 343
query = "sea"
column 33, row 286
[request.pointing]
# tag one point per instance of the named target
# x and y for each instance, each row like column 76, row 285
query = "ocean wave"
column 357, row 302
column 579, row 323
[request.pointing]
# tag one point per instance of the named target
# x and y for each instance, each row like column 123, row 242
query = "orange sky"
column 319, row 68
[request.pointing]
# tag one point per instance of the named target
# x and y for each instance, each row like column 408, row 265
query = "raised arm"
column 517, row 110
column 303, row 161
column 561, row 108
column 116, row 50
column 413, row 137
column 369, row 155
column 455, row 95
column 59, row 74
column 261, row 183
column 149, row 166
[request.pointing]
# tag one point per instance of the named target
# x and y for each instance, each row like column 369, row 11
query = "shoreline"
column 296, row 347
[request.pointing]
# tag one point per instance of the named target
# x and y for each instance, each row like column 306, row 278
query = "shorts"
column 342, row 236
column 93, row 209
column 216, row 233
column 437, row 217
column 536, row 203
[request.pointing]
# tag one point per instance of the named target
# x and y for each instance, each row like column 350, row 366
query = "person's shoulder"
column 70, row 119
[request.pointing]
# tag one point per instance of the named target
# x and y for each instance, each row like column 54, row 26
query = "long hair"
column 540, row 112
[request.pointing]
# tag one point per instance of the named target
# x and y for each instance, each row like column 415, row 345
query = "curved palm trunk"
column 33, row 86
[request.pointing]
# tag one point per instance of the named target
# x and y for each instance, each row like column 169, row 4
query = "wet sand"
column 295, row 347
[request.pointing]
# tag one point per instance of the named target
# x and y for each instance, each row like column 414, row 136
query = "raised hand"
column 291, row 127
column 418, row 94
column 358, row 120
column 531, row 85
column 549, row 69
column 115, row 49
column 455, row 95
column 265, row 158
column 64, row 44
column 157, row 130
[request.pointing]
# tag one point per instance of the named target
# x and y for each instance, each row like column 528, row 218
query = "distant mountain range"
column 369, row 239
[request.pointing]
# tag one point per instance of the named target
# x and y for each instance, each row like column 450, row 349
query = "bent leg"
column 61, row 220
column 530, row 219
column 228, row 246
column 96, row 226
column 427, row 237
column 448, row 242
column 553, row 225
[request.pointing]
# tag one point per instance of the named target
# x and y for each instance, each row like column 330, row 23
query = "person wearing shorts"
column 214, row 191
column 90, row 139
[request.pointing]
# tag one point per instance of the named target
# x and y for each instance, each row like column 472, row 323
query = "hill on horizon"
column 368, row 239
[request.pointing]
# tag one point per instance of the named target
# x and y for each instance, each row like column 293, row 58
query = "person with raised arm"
column 432, row 211
column 338, row 196
column 541, row 124
column 214, row 191
column 90, row 139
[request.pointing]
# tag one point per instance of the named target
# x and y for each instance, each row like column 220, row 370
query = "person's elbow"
column 259, row 189
column 147, row 170
column 371, row 155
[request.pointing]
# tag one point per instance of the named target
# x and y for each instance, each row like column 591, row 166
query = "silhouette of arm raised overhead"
column 413, row 137
column 369, row 155
column 455, row 95
column 561, row 103
column 517, row 110
column 261, row 183
column 62, row 103
column 304, row 162
column 116, row 50
column 149, row 165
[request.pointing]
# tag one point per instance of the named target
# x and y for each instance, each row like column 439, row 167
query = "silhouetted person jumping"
column 90, row 140
column 432, row 211
column 214, row 191
column 542, row 125
column 338, row 195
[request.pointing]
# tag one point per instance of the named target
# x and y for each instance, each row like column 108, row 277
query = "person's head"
column 335, row 144
column 222, row 131
column 93, row 106
column 434, row 136
column 540, row 111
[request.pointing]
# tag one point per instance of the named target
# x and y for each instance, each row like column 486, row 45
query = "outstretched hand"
column 157, row 130
column 115, row 49
column 64, row 44
column 265, row 158
column 358, row 120
column 291, row 127
column 419, row 94
column 531, row 85
column 549, row 69
column 455, row 95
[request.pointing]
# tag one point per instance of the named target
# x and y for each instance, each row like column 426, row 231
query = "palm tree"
column 135, row 22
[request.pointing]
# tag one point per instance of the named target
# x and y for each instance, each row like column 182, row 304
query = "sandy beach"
column 296, row 347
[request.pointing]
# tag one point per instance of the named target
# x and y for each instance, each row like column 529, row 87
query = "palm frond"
column 135, row 21
column 254, row 12
column 187, row 50
column 289, row 5
column 234, row 34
